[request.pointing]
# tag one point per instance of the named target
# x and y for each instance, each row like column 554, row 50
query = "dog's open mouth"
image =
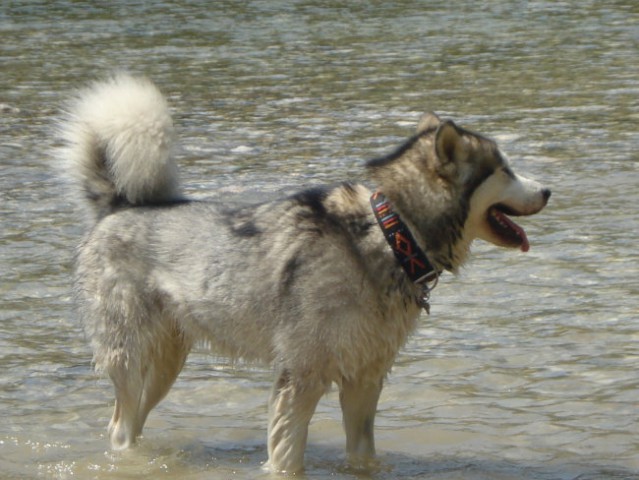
column 503, row 227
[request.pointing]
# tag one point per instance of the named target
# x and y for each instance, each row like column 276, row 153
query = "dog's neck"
column 440, row 232
column 408, row 253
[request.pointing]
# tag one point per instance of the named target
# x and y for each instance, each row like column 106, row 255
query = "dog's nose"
column 546, row 193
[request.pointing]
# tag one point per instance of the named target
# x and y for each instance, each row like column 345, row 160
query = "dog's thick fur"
column 307, row 283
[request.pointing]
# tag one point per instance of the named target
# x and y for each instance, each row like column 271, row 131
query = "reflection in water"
column 527, row 366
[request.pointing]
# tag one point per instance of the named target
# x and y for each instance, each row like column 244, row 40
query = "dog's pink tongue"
column 516, row 229
column 525, row 246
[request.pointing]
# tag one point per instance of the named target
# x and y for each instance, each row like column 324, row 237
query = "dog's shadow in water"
column 247, row 461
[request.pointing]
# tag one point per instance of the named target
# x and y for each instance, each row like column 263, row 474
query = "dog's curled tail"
column 118, row 135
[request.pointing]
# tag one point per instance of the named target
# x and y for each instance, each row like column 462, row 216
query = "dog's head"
column 453, row 186
column 495, row 192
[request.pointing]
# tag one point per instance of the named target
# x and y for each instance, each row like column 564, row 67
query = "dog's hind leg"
column 358, row 400
column 142, row 383
column 291, row 406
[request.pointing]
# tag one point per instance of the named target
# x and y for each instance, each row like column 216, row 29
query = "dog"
column 326, row 285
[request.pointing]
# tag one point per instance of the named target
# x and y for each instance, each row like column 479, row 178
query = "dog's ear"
column 428, row 121
column 449, row 143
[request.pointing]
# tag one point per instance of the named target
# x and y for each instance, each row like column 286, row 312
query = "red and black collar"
column 409, row 255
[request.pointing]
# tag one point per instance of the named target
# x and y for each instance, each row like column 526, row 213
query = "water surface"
column 527, row 367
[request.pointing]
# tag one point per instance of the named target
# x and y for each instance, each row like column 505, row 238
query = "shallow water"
column 527, row 367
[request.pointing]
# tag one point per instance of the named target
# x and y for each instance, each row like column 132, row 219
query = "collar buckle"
column 424, row 300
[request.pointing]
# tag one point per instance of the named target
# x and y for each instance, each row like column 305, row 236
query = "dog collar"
column 412, row 258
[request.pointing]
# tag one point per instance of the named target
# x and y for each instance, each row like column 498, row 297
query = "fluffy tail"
column 118, row 136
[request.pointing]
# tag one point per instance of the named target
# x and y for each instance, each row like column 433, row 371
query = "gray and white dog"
column 321, row 284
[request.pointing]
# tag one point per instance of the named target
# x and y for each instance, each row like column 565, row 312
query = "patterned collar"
column 412, row 258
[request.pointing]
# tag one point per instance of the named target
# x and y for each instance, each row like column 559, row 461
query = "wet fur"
column 306, row 283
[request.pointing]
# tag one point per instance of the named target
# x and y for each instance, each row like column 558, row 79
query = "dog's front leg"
column 291, row 406
column 359, row 405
